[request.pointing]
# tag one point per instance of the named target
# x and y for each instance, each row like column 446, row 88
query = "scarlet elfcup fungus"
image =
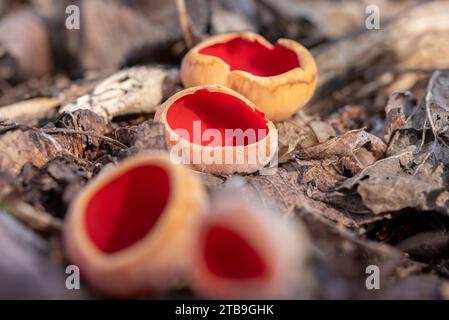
column 217, row 130
column 130, row 230
column 244, row 252
column 279, row 78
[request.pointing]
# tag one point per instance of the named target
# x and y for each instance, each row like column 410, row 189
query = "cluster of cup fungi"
column 146, row 224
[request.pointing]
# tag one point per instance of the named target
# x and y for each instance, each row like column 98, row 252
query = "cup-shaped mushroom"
column 131, row 230
column 214, row 129
column 280, row 79
column 244, row 252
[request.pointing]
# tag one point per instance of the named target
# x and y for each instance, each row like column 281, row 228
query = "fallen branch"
column 130, row 91
column 29, row 110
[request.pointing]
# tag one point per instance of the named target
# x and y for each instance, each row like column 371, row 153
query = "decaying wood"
column 29, row 110
column 133, row 90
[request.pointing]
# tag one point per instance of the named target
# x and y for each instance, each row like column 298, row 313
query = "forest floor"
column 365, row 165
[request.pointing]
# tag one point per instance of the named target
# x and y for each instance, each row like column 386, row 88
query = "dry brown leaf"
column 415, row 172
column 396, row 111
column 353, row 151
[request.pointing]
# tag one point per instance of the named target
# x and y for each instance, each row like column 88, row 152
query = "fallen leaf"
column 414, row 173
column 353, row 151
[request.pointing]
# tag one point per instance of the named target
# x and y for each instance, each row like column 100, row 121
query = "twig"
column 186, row 23
column 86, row 133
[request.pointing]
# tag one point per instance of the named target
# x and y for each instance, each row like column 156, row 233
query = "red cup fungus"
column 217, row 130
column 244, row 252
column 279, row 78
column 131, row 229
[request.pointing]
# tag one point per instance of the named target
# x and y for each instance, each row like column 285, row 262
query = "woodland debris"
column 414, row 173
column 29, row 110
column 349, row 117
column 354, row 150
column 298, row 132
column 150, row 135
column 133, row 90
column 81, row 133
column 19, row 147
column 50, row 189
column 397, row 110
column 341, row 255
column 290, row 187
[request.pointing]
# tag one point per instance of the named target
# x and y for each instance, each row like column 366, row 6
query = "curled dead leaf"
column 353, row 151
column 415, row 172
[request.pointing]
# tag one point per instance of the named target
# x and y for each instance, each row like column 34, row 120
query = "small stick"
column 86, row 133
column 186, row 23
column 11, row 126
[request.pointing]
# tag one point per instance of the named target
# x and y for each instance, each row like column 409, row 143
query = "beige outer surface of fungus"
column 150, row 263
column 279, row 96
column 188, row 152
column 281, row 243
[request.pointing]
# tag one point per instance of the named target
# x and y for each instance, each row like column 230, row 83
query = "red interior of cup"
column 126, row 208
column 229, row 255
column 254, row 57
column 212, row 118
